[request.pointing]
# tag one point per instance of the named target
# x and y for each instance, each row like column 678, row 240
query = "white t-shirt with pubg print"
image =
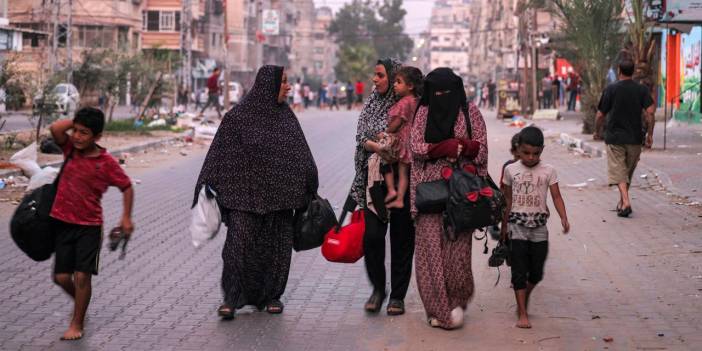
column 529, row 193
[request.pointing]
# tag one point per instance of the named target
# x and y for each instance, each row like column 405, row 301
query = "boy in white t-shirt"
column 526, row 186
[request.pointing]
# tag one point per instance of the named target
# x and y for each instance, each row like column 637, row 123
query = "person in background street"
column 262, row 169
column 492, row 88
column 546, row 92
column 306, row 95
column 322, row 94
column 555, row 91
column 373, row 120
column 349, row 95
column 485, row 94
column 440, row 139
column 77, row 209
column 213, row 91
column 573, row 87
column 334, row 95
column 625, row 102
column 359, row 90
column 297, row 96
column 526, row 185
column 561, row 91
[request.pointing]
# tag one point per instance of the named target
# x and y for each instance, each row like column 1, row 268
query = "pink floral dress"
column 443, row 267
column 404, row 109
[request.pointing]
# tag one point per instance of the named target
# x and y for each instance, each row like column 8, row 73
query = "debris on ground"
column 608, row 339
column 577, row 185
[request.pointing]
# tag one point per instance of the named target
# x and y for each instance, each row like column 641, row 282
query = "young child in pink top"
column 408, row 87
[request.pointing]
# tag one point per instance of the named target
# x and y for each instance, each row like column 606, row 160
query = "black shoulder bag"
column 31, row 226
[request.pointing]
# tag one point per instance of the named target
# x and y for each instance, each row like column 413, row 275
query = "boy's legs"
column 520, row 270
column 77, row 256
column 403, row 170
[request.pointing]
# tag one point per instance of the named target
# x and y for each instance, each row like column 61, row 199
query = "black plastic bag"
column 312, row 223
column 31, row 227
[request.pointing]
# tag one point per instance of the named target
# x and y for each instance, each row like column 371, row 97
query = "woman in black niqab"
column 261, row 168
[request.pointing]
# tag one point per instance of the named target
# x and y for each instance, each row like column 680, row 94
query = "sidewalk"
column 677, row 168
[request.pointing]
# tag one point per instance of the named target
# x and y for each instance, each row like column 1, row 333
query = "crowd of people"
column 557, row 91
column 411, row 128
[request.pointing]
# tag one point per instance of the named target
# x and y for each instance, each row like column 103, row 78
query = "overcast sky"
column 418, row 12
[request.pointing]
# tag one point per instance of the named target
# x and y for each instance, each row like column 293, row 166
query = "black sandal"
column 624, row 212
column 375, row 302
column 225, row 312
column 395, row 307
column 274, row 307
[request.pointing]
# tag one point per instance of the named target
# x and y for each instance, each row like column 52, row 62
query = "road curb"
column 580, row 144
column 114, row 152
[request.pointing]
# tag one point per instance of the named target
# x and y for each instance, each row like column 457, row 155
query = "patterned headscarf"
column 373, row 120
column 259, row 160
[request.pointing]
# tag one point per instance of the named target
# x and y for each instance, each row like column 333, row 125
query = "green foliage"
column 127, row 125
column 591, row 32
column 355, row 62
column 366, row 31
column 11, row 80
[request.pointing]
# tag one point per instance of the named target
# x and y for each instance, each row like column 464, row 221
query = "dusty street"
column 636, row 280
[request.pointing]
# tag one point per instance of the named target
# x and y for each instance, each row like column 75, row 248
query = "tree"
column 591, row 30
column 354, row 61
column 642, row 44
column 366, row 31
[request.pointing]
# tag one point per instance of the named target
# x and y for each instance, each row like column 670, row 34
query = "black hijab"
column 259, row 160
column 443, row 109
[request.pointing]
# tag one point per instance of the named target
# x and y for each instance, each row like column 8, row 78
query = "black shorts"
column 77, row 248
column 527, row 259
column 359, row 98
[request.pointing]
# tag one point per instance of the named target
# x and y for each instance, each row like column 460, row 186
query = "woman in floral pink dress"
column 439, row 139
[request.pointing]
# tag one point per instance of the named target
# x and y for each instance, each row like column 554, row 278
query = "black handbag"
column 474, row 202
column 31, row 226
column 312, row 223
column 431, row 197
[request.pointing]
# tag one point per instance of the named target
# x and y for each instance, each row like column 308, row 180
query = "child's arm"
column 395, row 124
column 507, row 192
column 128, row 201
column 560, row 206
column 58, row 131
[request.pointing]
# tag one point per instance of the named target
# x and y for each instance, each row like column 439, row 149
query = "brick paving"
column 631, row 279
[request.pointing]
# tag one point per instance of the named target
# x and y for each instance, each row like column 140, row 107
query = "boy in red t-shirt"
column 77, row 210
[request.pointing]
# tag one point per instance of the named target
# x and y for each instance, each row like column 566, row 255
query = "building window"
column 318, row 65
column 318, row 50
column 161, row 21
column 5, row 40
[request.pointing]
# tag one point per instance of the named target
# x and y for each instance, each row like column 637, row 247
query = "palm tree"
column 591, row 33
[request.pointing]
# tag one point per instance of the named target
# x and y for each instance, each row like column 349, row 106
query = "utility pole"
column 54, row 47
column 534, row 63
column 225, row 61
column 69, row 43
column 186, row 44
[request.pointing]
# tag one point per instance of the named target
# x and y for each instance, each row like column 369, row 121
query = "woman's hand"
column 459, row 149
column 372, row 146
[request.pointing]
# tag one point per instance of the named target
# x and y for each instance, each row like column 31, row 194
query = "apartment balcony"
column 167, row 40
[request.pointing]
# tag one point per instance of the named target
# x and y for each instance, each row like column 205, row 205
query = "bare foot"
column 523, row 322
column 73, row 333
column 392, row 194
column 397, row 203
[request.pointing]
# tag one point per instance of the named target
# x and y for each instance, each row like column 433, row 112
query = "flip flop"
column 374, row 303
column 274, row 307
column 395, row 307
column 624, row 212
column 225, row 312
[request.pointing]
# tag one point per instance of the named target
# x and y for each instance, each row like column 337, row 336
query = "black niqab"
column 259, row 160
column 443, row 108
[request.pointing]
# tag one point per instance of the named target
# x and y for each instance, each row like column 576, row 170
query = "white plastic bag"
column 46, row 175
column 26, row 160
column 206, row 218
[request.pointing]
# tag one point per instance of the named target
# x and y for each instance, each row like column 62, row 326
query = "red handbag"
column 345, row 244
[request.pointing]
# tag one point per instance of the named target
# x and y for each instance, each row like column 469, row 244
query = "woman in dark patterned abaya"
column 261, row 168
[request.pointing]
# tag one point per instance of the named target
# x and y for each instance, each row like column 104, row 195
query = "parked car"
column 64, row 95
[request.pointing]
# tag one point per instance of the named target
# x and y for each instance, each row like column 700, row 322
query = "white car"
column 235, row 91
column 66, row 97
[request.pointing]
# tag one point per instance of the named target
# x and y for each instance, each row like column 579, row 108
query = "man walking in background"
column 625, row 102
column 213, row 93
column 333, row 97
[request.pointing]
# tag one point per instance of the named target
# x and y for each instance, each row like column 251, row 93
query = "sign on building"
column 271, row 22
column 683, row 11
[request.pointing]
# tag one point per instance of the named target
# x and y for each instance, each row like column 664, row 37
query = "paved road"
column 631, row 279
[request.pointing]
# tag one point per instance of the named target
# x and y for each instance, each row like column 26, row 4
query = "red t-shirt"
column 82, row 183
column 359, row 88
column 213, row 84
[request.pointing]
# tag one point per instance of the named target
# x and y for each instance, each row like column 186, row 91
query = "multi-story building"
column 313, row 51
column 449, row 35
